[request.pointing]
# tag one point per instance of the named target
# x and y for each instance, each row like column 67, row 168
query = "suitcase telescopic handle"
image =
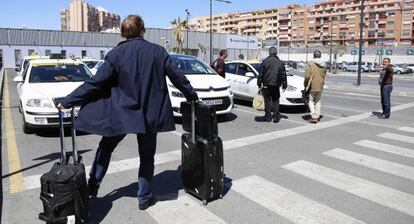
column 63, row 156
column 193, row 121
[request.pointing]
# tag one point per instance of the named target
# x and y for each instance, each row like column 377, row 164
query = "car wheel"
column 27, row 129
column 345, row 69
column 399, row 72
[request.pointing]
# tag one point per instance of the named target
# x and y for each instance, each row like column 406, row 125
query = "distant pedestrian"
column 272, row 76
column 128, row 95
column 314, row 81
column 219, row 64
column 385, row 82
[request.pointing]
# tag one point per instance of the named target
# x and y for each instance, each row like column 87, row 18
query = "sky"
column 45, row 14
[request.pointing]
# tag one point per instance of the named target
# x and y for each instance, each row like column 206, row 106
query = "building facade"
column 85, row 18
column 386, row 23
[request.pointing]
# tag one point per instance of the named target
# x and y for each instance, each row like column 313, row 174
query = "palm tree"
column 178, row 27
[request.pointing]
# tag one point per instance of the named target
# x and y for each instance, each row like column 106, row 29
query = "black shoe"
column 263, row 119
column 276, row 119
column 93, row 190
column 150, row 202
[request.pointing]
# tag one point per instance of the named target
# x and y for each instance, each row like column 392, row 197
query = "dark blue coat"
column 129, row 92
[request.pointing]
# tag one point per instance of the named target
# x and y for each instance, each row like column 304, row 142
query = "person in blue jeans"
column 385, row 82
column 129, row 95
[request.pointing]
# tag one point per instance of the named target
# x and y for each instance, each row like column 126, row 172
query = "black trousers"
column 271, row 95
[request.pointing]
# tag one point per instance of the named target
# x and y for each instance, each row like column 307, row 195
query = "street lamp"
column 361, row 42
column 330, row 41
column 211, row 26
column 188, row 15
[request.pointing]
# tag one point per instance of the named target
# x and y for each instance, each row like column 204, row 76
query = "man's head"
column 272, row 51
column 386, row 62
column 132, row 26
column 223, row 53
column 317, row 54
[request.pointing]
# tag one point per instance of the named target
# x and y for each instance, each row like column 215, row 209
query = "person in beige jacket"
column 314, row 81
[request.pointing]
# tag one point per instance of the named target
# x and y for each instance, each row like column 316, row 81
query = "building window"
column 390, row 32
column 17, row 57
column 102, row 55
column 406, row 33
column 390, row 23
column 30, row 52
column 48, row 52
column 391, row 14
column 63, row 54
column 381, row 26
column 371, row 33
column 84, row 54
column 372, row 24
column 342, row 18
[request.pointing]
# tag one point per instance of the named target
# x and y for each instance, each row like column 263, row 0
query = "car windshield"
column 59, row 73
column 256, row 66
column 191, row 66
column 90, row 64
column 99, row 64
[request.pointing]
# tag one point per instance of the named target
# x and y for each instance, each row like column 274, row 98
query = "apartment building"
column 386, row 23
column 83, row 17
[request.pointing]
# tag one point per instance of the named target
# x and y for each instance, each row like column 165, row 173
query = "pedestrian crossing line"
column 386, row 148
column 374, row 192
column 406, row 129
column 398, row 137
column 288, row 204
column 373, row 163
column 183, row 210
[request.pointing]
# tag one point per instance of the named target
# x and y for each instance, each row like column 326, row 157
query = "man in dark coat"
column 129, row 94
column 272, row 76
column 219, row 64
column 385, row 82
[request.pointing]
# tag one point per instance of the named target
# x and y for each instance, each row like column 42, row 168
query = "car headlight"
column 291, row 88
column 38, row 103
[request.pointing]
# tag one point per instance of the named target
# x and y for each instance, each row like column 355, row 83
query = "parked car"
column 410, row 66
column 211, row 88
column 353, row 66
column 96, row 67
column 41, row 83
column 399, row 69
column 26, row 61
column 242, row 77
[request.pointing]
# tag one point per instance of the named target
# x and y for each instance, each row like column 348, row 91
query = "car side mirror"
column 17, row 69
column 250, row 74
column 18, row 78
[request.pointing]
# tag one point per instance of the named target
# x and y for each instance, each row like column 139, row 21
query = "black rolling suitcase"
column 202, row 159
column 64, row 190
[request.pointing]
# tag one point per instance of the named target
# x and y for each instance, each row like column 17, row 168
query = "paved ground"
column 349, row 168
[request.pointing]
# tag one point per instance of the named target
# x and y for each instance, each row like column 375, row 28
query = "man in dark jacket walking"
column 129, row 94
column 219, row 64
column 272, row 76
column 385, row 82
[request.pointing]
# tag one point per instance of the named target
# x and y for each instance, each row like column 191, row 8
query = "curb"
column 369, row 91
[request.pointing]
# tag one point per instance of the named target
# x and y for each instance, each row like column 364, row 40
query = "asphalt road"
column 349, row 168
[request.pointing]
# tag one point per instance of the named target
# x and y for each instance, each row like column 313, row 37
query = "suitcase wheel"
column 204, row 202
column 221, row 196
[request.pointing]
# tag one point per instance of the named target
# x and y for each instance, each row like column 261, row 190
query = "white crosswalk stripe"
column 377, row 193
column 386, row 148
column 398, row 137
column 373, row 163
column 181, row 211
column 287, row 203
column 406, row 129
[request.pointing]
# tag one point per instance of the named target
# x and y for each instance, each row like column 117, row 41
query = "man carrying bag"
column 272, row 76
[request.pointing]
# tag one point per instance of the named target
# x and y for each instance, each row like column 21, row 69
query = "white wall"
column 9, row 57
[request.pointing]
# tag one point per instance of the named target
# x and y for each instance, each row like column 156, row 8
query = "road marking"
column 358, row 94
column 261, row 114
column 182, row 210
column 377, row 193
column 402, row 138
column 373, row 163
column 407, row 129
column 286, row 203
column 386, row 148
column 356, row 98
column 390, row 126
column 32, row 182
column 16, row 180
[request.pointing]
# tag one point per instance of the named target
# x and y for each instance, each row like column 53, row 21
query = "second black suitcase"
column 202, row 166
column 64, row 191
column 205, row 119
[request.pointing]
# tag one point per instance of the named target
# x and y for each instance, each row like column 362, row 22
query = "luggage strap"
column 63, row 157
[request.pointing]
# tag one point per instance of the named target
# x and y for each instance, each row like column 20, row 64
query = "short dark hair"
column 388, row 59
column 317, row 54
column 272, row 51
column 132, row 26
column 222, row 52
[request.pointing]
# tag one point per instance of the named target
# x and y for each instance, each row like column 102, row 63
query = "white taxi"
column 210, row 87
column 242, row 76
column 42, row 83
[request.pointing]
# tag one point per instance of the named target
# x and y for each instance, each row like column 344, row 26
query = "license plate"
column 66, row 114
column 213, row 102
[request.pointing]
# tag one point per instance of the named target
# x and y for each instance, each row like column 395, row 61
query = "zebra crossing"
column 301, row 209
